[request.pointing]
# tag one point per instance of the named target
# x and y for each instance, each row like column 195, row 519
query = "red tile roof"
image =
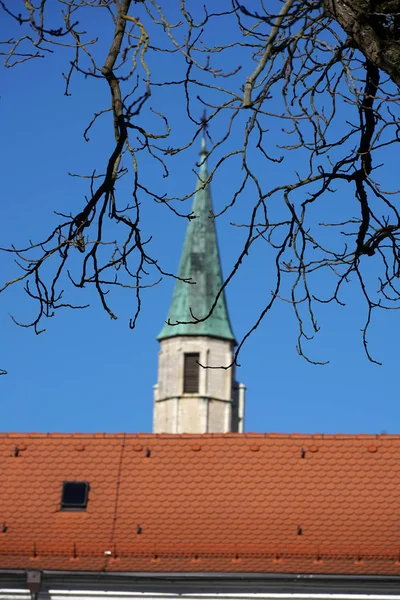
column 234, row 502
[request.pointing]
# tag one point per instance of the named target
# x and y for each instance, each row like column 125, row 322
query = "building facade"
column 192, row 516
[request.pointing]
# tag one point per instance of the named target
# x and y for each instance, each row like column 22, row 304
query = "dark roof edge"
column 189, row 582
column 230, row 340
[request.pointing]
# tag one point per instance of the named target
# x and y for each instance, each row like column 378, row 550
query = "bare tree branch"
column 319, row 82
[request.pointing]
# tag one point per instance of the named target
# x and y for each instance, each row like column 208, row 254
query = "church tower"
column 190, row 398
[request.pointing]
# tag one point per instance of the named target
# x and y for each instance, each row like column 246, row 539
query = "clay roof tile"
column 253, row 502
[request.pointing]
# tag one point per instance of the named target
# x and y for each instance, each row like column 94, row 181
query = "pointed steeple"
column 200, row 263
column 187, row 397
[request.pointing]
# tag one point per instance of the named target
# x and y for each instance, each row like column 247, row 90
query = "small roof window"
column 74, row 495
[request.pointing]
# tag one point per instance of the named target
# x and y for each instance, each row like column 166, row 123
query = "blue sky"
column 88, row 373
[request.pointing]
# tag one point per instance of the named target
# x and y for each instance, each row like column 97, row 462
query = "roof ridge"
column 247, row 435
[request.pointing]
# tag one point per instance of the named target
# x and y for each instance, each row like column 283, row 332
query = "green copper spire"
column 200, row 263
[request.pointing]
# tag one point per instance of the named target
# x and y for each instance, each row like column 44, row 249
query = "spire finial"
column 203, row 120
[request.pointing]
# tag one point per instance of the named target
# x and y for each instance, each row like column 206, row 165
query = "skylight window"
column 74, row 495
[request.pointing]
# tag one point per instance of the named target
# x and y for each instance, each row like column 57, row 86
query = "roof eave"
column 166, row 336
column 188, row 582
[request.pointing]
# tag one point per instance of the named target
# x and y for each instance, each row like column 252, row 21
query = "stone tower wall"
column 214, row 409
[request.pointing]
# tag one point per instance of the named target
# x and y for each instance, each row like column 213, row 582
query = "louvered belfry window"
column 191, row 372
